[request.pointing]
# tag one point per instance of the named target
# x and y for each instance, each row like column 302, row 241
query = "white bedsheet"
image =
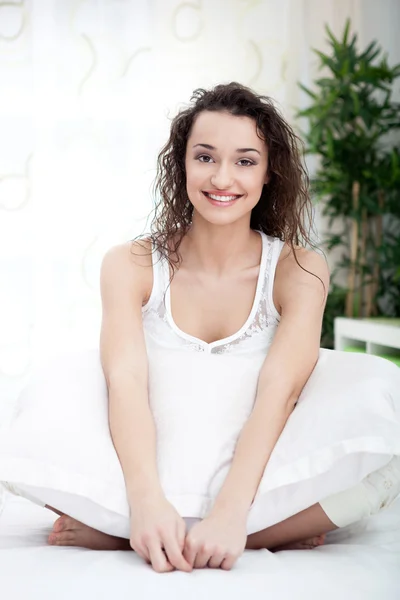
column 359, row 562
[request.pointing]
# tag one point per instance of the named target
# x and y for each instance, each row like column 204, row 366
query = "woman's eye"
column 203, row 156
column 243, row 160
column 249, row 163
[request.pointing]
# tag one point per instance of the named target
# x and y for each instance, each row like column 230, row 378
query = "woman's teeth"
column 222, row 198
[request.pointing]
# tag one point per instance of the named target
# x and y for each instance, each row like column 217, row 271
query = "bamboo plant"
column 353, row 126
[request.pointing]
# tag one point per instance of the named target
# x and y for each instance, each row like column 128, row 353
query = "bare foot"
column 303, row 545
column 69, row 532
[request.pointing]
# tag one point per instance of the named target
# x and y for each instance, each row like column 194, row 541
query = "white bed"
column 359, row 562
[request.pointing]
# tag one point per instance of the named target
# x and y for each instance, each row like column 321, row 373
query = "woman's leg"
column 377, row 491
column 309, row 523
column 374, row 493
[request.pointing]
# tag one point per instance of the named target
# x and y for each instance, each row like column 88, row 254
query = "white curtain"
column 87, row 88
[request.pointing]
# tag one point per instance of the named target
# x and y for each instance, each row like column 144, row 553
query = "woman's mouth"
column 222, row 200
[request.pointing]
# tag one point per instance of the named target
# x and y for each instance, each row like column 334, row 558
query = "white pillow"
column 58, row 448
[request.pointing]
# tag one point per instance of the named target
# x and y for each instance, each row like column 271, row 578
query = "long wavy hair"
column 284, row 209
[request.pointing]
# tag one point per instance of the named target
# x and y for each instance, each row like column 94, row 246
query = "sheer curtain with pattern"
column 87, row 88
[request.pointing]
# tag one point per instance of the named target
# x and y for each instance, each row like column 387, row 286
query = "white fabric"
column 59, row 447
column 356, row 563
column 376, row 491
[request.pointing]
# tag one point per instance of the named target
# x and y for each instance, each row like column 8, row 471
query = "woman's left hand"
column 217, row 542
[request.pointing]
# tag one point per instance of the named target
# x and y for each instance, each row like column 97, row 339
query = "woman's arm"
column 157, row 531
column 289, row 363
column 124, row 362
column 134, row 437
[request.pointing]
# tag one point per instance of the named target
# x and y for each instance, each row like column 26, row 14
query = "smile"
column 221, row 198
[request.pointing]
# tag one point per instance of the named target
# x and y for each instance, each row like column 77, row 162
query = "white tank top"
column 201, row 394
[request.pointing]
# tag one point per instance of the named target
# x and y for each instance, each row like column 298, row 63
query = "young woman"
column 223, row 287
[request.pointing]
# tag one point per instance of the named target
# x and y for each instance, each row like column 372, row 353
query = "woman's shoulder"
column 141, row 250
column 309, row 259
column 300, row 266
column 134, row 259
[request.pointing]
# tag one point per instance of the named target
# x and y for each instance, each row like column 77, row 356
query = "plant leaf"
column 308, row 91
column 346, row 32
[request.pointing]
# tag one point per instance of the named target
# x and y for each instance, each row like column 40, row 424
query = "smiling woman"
column 231, row 142
column 232, row 343
column 210, row 343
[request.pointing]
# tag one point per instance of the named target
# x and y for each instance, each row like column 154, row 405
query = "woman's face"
column 225, row 157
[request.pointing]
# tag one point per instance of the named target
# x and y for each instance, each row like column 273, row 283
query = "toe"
column 317, row 541
column 64, row 523
column 58, row 525
column 64, row 539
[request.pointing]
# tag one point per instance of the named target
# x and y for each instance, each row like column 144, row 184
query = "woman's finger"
column 202, row 559
column 158, row 559
column 216, row 560
column 190, row 552
column 143, row 553
column 181, row 534
column 228, row 563
column 175, row 556
column 141, row 549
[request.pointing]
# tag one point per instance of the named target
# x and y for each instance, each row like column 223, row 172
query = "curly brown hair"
column 284, row 209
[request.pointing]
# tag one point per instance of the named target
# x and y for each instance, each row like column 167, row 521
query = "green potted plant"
column 353, row 127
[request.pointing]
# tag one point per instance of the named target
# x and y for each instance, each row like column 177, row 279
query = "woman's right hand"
column 158, row 534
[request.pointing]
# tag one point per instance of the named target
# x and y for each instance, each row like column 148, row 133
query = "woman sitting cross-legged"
column 211, row 328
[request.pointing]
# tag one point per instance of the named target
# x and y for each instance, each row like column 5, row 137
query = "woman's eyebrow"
column 209, row 147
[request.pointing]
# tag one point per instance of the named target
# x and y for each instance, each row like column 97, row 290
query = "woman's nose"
column 222, row 177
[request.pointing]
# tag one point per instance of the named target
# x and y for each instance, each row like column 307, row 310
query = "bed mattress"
column 359, row 562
